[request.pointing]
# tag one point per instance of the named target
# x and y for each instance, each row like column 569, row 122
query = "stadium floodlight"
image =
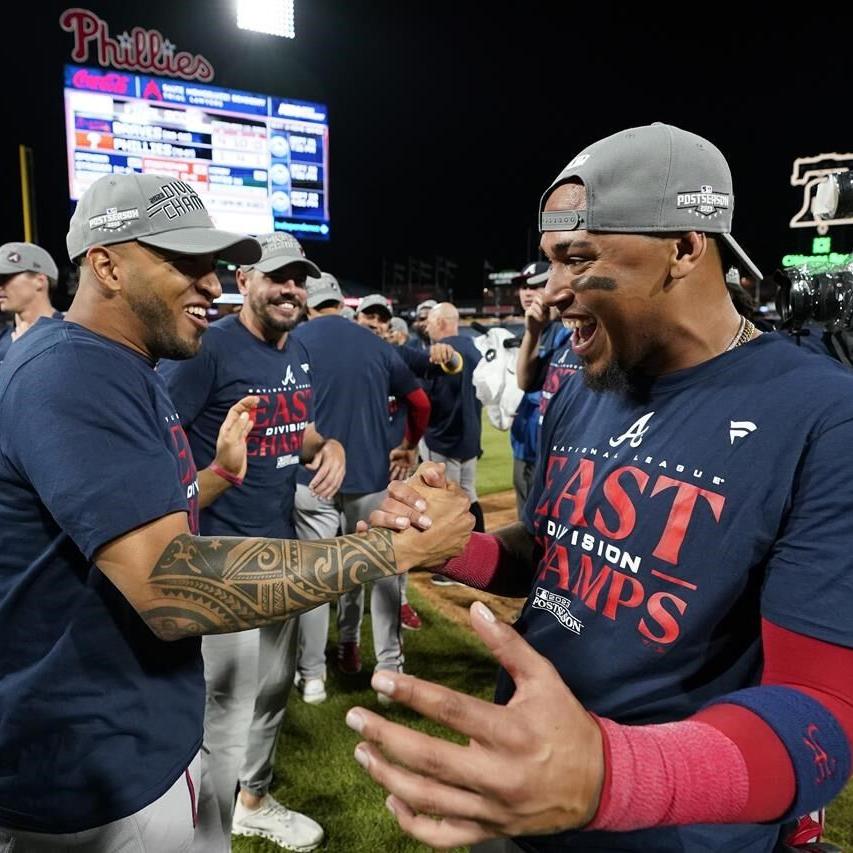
column 274, row 17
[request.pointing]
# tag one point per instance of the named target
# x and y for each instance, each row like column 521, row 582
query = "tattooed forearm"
column 209, row 585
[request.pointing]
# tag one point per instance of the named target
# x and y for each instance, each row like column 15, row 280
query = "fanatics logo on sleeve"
column 704, row 203
column 638, row 429
column 558, row 607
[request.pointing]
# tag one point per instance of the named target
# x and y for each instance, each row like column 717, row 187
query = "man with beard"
column 686, row 551
column 249, row 674
column 106, row 586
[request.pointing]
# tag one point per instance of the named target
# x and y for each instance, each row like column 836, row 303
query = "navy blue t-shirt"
column 231, row 364
column 5, row 339
column 524, row 432
column 667, row 526
column 98, row 717
column 455, row 417
column 354, row 373
column 6, row 330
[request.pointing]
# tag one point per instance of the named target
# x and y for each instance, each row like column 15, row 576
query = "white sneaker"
column 314, row 691
column 288, row 829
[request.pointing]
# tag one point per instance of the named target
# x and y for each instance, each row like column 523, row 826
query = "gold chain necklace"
column 745, row 331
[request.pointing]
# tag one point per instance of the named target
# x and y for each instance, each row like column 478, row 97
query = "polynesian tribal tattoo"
column 214, row 585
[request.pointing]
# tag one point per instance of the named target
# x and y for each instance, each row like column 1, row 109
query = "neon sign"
column 809, row 173
column 148, row 51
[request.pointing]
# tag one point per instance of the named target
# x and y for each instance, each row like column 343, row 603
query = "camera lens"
column 796, row 297
column 834, row 300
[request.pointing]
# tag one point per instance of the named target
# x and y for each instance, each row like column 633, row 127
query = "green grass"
column 494, row 470
column 316, row 773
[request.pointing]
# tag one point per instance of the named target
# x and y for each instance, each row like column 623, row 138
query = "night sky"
column 449, row 119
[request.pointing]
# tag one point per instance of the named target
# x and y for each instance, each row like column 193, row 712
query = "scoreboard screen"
column 260, row 163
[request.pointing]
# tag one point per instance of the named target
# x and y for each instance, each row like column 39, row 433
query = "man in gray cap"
column 106, row 585
column 374, row 312
column 28, row 274
column 686, row 551
column 398, row 332
column 419, row 339
column 249, row 673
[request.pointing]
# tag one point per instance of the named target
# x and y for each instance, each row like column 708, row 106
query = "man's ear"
column 103, row 264
column 242, row 281
column 688, row 250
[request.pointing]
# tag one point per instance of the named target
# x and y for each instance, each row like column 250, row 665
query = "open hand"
column 533, row 766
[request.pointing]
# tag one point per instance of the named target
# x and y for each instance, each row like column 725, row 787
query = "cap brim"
column 742, row 256
column 271, row 264
column 537, row 280
column 225, row 245
column 10, row 269
column 229, row 299
column 319, row 298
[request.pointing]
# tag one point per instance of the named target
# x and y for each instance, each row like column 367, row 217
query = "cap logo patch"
column 281, row 241
column 113, row 219
column 13, row 257
column 578, row 161
column 705, row 203
column 174, row 200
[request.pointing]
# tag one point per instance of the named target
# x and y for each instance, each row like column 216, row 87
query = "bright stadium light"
column 274, row 17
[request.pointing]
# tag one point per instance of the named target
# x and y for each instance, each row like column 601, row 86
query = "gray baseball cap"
column 324, row 289
column 347, row 313
column 426, row 305
column 279, row 250
column 656, row 178
column 398, row 324
column 157, row 211
column 374, row 301
column 27, row 257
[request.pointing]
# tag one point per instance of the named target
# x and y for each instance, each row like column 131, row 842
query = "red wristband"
column 221, row 472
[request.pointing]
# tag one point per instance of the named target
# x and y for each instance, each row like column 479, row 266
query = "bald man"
column 453, row 434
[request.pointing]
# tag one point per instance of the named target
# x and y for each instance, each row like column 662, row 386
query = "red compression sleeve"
column 481, row 564
column 417, row 415
column 660, row 774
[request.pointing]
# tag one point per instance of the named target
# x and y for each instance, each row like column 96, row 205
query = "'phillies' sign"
column 140, row 50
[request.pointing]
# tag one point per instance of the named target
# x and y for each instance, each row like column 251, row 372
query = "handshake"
column 430, row 518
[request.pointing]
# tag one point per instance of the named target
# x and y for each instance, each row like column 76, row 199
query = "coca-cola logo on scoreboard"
column 148, row 51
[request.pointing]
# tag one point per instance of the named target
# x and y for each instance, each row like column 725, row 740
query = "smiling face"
column 611, row 290
column 169, row 295
column 275, row 301
column 375, row 319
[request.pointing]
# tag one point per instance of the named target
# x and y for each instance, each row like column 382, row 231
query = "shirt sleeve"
column 402, row 380
column 190, row 383
column 86, row 433
column 809, row 577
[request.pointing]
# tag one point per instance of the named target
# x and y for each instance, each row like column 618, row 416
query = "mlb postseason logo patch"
column 174, row 200
column 558, row 607
column 280, row 240
column 13, row 258
column 113, row 219
column 704, row 202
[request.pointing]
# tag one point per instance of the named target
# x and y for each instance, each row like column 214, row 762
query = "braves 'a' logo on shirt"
column 635, row 433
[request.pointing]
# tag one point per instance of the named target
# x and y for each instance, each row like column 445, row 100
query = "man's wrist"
column 216, row 468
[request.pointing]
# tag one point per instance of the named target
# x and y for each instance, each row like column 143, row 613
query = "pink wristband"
column 221, row 472
column 669, row 774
